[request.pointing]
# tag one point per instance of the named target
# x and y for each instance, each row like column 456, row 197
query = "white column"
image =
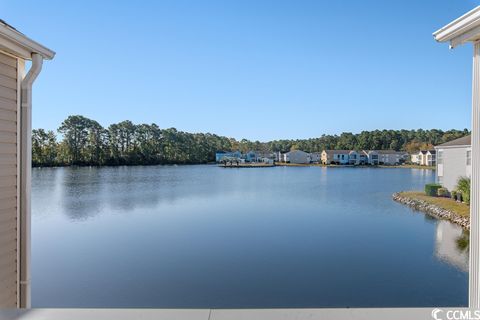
column 474, row 278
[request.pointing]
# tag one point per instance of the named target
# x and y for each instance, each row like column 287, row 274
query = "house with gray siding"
column 454, row 161
column 362, row 157
column 353, row 157
column 372, row 157
column 298, row 156
column 391, row 157
column 315, row 157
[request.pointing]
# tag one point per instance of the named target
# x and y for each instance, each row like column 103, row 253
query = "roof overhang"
column 453, row 147
column 19, row 45
column 461, row 30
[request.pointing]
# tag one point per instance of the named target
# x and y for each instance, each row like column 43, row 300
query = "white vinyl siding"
column 453, row 166
column 440, row 170
column 298, row 156
column 8, row 182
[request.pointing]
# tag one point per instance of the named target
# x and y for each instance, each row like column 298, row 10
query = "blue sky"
column 250, row 69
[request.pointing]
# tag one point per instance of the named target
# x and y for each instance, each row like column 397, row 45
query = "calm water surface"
column 203, row 236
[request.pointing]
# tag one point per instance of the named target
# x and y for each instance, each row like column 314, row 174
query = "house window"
column 440, row 179
column 469, row 157
column 440, row 157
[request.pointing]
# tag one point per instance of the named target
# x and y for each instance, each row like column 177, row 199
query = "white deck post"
column 474, row 280
column 463, row 30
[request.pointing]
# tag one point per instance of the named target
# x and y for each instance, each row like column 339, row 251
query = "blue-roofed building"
column 219, row 155
column 250, row 156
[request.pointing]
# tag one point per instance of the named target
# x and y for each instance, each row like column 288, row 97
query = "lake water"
column 204, row 236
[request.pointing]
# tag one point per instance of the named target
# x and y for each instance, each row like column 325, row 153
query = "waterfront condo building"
column 298, row 156
column 415, row 158
column 427, row 157
column 335, row 156
column 391, row 157
column 454, row 161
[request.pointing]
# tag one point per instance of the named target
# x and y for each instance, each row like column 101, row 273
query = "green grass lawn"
column 446, row 203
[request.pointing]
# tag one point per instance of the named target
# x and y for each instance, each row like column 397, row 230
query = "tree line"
column 83, row 141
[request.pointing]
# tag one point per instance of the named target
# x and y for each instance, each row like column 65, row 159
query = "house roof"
column 9, row 25
column 337, row 151
column 293, row 151
column 461, row 30
column 264, row 153
column 425, row 151
column 19, row 45
column 463, row 141
column 390, row 152
column 365, row 152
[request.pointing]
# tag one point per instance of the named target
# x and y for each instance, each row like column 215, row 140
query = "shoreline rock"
column 433, row 210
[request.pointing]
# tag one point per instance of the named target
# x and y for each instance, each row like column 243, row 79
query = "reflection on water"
column 451, row 244
column 83, row 192
column 463, row 241
column 203, row 236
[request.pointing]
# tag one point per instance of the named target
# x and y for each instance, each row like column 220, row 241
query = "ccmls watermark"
column 455, row 314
